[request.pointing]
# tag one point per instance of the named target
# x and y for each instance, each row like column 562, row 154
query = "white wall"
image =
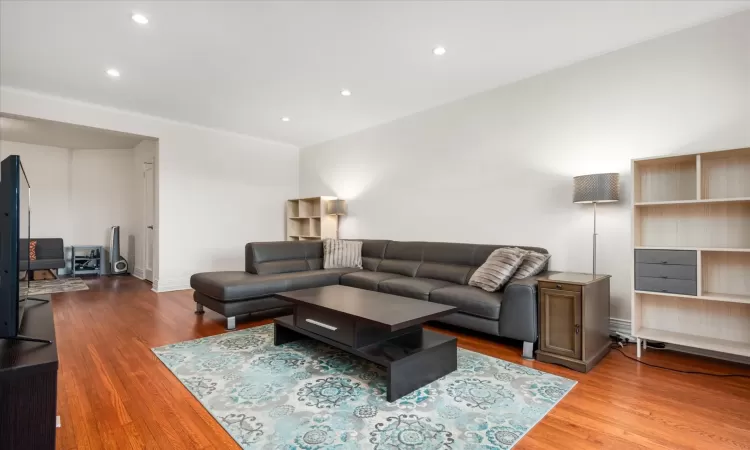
column 216, row 190
column 102, row 194
column 497, row 167
column 78, row 195
column 48, row 170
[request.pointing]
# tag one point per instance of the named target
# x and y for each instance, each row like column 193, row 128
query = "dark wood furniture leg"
column 420, row 369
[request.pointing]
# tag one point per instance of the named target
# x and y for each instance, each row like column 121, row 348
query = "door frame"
column 149, row 166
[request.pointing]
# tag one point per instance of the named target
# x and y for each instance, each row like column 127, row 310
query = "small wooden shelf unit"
column 694, row 203
column 306, row 219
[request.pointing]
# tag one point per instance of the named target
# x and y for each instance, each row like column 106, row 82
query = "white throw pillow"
column 497, row 270
column 532, row 264
column 338, row 254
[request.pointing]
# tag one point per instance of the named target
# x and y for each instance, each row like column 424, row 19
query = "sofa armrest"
column 519, row 316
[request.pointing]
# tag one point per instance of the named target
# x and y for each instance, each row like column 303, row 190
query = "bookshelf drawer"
column 676, row 257
column 673, row 271
column 666, row 285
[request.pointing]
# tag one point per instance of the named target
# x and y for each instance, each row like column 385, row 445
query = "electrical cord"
column 618, row 346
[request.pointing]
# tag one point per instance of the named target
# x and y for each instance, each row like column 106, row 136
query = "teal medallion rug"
column 309, row 396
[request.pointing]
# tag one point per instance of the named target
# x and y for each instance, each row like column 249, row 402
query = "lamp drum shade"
column 337, row 207
column 596, row 188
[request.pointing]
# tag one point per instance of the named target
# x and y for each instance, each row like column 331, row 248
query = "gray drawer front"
column 679, row 257
column 325, row 323
column 666, row 271
column 671, row 286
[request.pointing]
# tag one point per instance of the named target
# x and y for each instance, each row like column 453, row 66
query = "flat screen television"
column 15, row 224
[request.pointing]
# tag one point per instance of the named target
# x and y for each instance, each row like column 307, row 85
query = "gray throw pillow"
column 338, row 254
column 532, row 264
column 497, row 270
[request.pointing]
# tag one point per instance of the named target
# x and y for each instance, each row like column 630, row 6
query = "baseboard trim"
column 169, row 285
column 620, row 326
column 623, row 327
column 139, row 273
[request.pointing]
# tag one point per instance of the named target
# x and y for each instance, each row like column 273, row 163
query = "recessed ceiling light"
column 285, row 119
column 114, row 73
column 439, row 51
column 139, row 19
column 346, row 92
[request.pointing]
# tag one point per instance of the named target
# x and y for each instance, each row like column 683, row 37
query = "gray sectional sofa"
column 430, row 271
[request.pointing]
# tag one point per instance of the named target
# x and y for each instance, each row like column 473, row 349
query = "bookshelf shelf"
column 691, row 340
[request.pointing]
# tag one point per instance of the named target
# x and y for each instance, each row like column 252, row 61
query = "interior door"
column 561, row 323
column 148, row 218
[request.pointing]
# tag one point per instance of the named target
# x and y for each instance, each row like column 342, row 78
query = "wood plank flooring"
column 115, row 394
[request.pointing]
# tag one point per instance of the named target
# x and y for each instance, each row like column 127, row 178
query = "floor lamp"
column 596, row 188
column 339, row 209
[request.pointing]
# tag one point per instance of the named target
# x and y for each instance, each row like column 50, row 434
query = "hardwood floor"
column 114, row 393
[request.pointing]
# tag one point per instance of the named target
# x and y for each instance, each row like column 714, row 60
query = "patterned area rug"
column 310, row 396
column 42, row 287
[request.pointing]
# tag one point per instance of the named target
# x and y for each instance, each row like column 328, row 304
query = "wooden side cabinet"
column 573, row 319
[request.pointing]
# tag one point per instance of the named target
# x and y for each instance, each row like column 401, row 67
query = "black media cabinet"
column 28, row 383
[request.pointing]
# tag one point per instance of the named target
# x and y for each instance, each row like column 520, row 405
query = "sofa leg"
column 231, row 323
column 528, row 350
column 198, row 308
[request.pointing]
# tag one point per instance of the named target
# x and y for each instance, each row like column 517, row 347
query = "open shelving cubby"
column 696, row 203
column 306, row 219
column 726, row 174
column 665, row 179
column 725, row 275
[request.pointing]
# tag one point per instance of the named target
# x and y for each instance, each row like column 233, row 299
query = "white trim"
column 622, row 327
column 170, row 285
column 138, row 273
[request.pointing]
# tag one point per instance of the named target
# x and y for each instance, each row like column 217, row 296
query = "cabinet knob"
column 559, row 286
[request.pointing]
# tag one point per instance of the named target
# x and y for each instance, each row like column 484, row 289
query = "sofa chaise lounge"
column 431, row 271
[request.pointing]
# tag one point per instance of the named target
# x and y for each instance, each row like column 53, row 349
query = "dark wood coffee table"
column 383, row 328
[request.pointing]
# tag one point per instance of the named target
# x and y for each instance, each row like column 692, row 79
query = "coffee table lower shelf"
column 412, row 360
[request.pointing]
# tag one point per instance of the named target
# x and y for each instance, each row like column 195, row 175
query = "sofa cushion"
column 418, row 288
column 402, row 258
column 366, row 279
column 498, row 269
column 373, row 252
column 470, row 300
column 532, row 264
column 233, row 286
column 43, row 264
column 282, row 257
column 46, row 248
column 339, row 254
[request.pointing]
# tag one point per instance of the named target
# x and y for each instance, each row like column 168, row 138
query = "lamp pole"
column 594, row 238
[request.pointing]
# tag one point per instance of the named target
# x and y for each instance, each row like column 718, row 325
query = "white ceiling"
column 64, row 135
column 241, row 66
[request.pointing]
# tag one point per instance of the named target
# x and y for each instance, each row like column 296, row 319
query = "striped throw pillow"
column 532, row 264
column 497, row 270
column 338, row 254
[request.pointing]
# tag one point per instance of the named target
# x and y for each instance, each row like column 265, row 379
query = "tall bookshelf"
column 698, row 204
column 306, row 219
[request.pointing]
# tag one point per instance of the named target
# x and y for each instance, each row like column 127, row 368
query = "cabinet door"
column 561, row 323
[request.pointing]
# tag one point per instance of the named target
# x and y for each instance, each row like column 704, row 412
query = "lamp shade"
column 337, row 207
column 596, row 188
